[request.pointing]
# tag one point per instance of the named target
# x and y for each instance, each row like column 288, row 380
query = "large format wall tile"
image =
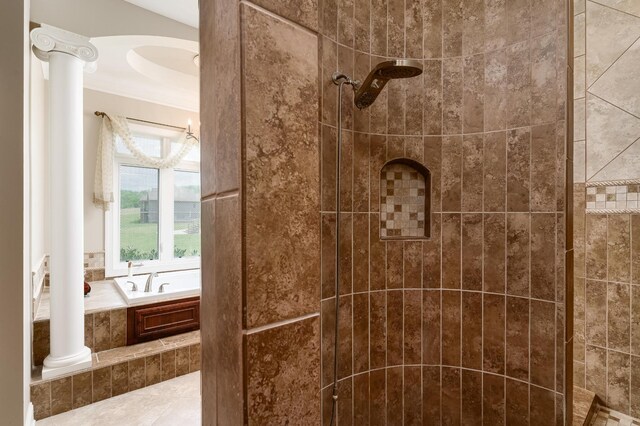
column 611, row 131
column 609, row 34
column 282, row 195
column 283, row 373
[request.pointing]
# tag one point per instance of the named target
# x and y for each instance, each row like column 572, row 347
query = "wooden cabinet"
column 151, row 322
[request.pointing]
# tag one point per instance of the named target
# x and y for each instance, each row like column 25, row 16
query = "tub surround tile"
column 61, row 395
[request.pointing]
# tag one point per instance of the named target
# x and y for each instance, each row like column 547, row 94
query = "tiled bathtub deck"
column 117, row 371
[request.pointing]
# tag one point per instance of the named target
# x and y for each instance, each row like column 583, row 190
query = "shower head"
column 368, row 91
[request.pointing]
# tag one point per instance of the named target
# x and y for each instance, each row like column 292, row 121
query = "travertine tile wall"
column 467, row 325
column 261, row 220
column 606, row 322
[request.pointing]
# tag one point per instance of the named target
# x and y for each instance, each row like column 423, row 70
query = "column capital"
column 47, row 39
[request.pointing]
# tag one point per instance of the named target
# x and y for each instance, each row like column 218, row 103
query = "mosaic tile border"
column 622, row 197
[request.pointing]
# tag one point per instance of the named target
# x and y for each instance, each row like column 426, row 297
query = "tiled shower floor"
column 173, row 402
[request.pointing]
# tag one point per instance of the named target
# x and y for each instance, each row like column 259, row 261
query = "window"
column 155, row 218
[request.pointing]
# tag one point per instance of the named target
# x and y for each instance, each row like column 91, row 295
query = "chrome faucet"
column 148, row 287
column 134, row 286
column 162, row 286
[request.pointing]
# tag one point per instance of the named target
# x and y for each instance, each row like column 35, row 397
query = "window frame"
column 165, row 262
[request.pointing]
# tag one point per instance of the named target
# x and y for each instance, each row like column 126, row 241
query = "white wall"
column 94, row 18
column 100, row 101
column 14, row 250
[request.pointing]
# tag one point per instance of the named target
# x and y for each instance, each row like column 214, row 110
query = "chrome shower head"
column 368, row 91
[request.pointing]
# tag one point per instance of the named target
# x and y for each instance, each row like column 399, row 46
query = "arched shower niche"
column 405, row 200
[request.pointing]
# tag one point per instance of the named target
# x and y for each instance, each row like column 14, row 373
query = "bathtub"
column 182, row 284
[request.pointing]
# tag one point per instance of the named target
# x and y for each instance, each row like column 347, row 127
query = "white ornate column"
column 68, row 55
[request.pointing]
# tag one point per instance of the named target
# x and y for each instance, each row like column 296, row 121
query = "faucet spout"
column 149, row 285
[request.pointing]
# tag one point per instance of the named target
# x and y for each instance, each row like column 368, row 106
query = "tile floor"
column 174, row 402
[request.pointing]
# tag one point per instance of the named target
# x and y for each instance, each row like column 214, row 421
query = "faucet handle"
column 134, row 286
column 161, row 289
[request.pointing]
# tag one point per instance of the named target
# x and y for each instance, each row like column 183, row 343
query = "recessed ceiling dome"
column 156, row 69
column 177, row 59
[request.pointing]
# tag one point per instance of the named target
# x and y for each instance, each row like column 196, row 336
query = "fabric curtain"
column 112, row 126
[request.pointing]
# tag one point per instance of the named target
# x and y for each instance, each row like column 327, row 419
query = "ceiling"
column 184, row 11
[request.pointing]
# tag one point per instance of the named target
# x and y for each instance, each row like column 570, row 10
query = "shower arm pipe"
column 340, row 80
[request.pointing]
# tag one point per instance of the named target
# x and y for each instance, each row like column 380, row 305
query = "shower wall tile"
column 395, row 28
column 379, row 27
column 395, row 316
column 472, row 251
column 345, row 401
column 377, row 397
column 283, row 373
column 517, row 402
column 360, row 333
column 518, row 169
column 412, row 327
column 493, row 337
column 302, row 12
column 346, row 23
column 618, row 317
column 518, row 20
column 473, row 92
column 494, row 252
column 360, row 252
column 495, row 90
column 433, row 97
column 452, row 24
column 472, row 173
column 431, row 327
column 473, row 27
column 543, row 274
column 493, row 403
column 518, row 84
column 451, row 396
column 542, row 335
column 431, row 273
column 361, row 399
column 433, row 162
column 451, row 248
column 495, row 170
column 495, row 19
column 378, row 329
column 471, row 339
column 542, row 405
column 596, row 247
column 451, row 320
column 517, row 338
column 543, row 77
column 518, row 254
column 431, row 395
column 596, row 313
column 618, row 381
column 451, row 173
column 471, row 401
column 452, row 85
column 618, row 248
column 412, row 414
column 268, row 206
column 432, row 25
column 345, row 344
column 362, row 25
column 413, row 17
column 543, row 159
column 394, row 396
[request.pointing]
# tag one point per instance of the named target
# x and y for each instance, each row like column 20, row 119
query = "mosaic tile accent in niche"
column 613, row 197
column 403, row 199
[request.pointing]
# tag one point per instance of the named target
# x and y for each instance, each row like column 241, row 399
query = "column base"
column 55, row 367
